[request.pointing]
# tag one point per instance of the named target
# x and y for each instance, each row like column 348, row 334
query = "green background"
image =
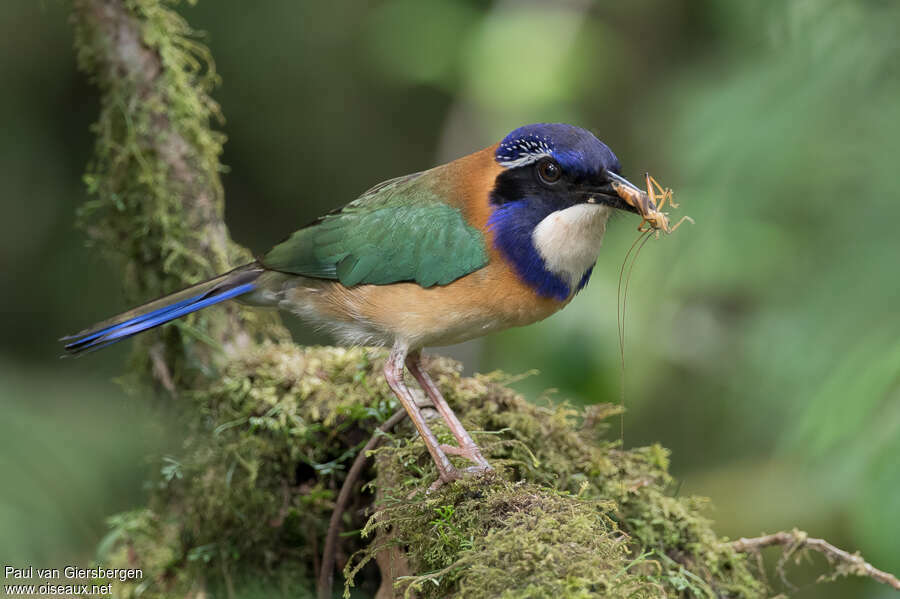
column 762, row 344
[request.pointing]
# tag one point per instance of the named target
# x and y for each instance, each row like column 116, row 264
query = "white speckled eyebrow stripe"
column 522, row 152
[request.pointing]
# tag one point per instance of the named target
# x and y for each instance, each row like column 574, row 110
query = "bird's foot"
column 471, row 453
column 445, row 476
column 448, row 476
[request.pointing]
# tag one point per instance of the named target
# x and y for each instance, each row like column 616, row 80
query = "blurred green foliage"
column 762, row 344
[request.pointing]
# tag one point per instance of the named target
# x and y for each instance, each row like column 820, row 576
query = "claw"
column 476, row 470
column 471, row 453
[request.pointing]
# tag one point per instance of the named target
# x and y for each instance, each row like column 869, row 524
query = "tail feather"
column 165, row 309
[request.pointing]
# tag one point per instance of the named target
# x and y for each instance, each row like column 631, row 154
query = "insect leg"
column 678, row 224
column 665, row 194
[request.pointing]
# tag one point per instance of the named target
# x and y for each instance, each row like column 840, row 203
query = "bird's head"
column 550, row 204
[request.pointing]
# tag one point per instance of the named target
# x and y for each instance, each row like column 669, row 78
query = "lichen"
column 566, row 513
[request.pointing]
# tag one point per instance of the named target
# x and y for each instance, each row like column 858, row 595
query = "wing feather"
column 396, row 231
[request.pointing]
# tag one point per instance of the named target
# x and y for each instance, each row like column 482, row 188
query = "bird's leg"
column 393, row 372
column 467, row 447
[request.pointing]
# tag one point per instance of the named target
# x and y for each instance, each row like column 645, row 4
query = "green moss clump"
column 153, row 542
column 246, row 504
column 286, row 423
column 583, row 517
column 491, row 538
column 250, row 495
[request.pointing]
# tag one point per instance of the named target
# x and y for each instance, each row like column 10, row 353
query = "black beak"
column 618, row 192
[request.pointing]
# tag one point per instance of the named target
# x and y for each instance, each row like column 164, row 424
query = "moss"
column 489, row 537
column 632, row 538
column 567, row 513
column 150, row 541
column 253, row 488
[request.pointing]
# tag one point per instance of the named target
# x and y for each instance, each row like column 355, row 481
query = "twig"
column 847, row 563
column 326, row 574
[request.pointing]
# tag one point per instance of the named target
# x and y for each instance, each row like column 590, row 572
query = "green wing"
column 397, row 231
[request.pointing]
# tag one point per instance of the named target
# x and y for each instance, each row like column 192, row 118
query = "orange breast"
column 488, row 300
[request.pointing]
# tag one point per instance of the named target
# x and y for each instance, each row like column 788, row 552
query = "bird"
column 503, row 237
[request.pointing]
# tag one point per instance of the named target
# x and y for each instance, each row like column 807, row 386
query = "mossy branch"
column 242, row 510
column 157, row 204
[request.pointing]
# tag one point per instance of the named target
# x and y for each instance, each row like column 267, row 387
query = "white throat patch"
column 569, row 240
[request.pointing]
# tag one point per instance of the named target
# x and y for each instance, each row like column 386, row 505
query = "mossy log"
column 246, row 506
column 272, row 428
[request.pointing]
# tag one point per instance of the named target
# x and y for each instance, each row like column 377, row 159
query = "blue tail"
column 164, row 309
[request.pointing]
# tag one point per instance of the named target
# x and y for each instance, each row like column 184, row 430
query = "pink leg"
column 467, row 447
column 393, row 372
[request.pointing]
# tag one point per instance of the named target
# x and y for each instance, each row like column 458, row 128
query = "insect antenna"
column 621, row 303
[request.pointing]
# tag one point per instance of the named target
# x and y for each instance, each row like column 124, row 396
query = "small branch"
column 846, row 563
column 326, row 574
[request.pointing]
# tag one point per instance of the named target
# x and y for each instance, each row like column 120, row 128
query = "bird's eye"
column 549, row 171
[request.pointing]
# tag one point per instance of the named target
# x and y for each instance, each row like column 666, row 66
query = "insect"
column 649, row 205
